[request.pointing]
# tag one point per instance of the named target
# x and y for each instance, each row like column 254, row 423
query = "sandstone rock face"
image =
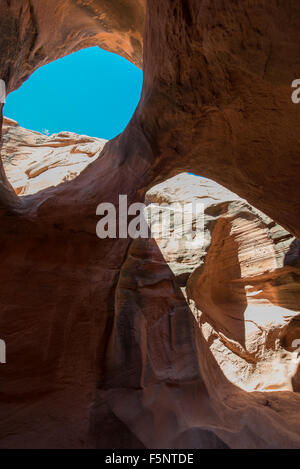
column 34, row 161
column 35, row 33
column 196, row 326
column 121, row 343
column 243, row 284
column 229, row 309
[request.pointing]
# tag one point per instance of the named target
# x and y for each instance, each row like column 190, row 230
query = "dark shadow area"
column 292, row 258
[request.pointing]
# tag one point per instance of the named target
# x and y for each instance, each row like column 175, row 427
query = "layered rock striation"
column 34, row 161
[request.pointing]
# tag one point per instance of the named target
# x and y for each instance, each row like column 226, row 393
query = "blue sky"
column 91, row 92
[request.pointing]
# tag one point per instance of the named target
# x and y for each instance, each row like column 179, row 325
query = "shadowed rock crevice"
column 8, row 197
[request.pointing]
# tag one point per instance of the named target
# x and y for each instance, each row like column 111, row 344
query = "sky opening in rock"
column 91, row 92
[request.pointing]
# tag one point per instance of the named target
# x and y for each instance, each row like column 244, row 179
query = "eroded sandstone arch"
column 217, row 94
column 34, row 33
column 217, row 102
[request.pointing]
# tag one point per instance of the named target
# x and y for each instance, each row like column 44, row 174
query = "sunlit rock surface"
column 34, row 161
column 243, row 284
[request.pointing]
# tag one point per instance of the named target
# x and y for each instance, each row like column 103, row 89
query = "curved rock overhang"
column 34, row 33
column 217, row 90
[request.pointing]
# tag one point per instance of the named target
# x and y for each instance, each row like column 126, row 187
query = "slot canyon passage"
column 122, row 343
